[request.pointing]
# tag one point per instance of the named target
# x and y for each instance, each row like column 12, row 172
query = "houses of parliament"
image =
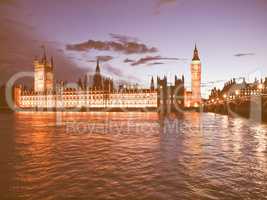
column 102, row 95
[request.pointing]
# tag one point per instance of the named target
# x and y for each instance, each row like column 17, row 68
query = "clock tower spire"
column 195, row 56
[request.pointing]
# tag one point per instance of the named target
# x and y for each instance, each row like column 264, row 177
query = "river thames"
column 131, row 156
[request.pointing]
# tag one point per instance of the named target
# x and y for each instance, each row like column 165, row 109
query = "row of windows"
column 83, row 97
column 92, row 96
column 92, row 104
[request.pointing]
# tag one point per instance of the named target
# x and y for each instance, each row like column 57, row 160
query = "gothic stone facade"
column 101, row 95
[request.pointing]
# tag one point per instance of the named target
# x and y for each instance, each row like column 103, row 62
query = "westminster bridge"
column 240, row 99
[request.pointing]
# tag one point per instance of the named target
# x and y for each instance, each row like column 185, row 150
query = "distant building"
column 233, row 90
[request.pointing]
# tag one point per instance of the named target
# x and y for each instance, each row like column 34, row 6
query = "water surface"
column 131, row 156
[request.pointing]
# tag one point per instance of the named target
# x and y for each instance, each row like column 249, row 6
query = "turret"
column 43, row 73
column 98, row 84
column 97, row 70
column 44, row 55
column 52, row 62
column 152, row 86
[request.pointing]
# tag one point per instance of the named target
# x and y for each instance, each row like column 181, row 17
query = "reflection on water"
column 131, row 156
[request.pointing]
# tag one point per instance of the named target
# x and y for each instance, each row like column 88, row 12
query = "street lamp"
column 260, row 86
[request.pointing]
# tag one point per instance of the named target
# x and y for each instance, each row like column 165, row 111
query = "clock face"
column 196, row 67
column 195, row 71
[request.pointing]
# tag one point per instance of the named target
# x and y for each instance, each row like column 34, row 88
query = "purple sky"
column 155, row 37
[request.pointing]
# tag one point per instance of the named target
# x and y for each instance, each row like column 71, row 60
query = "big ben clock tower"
column 196, row 79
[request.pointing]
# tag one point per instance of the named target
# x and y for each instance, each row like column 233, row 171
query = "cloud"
column 244, row 54
column 162, row 3
column 101, row 59
column 119, row 43
column 148, row 59
column 104, row 58
column 155, row 63
column 127, row 60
